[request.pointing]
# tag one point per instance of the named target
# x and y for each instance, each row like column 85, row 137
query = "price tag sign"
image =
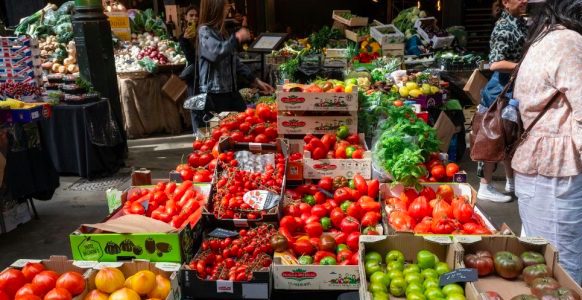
column 224, row 286
column 22, row 262
column 534, row 240
column 459, row 275
column 222, row 233
column 84, row 264
column 102, row 265
column 240, row 223
column 168, row 267
column 261, row 200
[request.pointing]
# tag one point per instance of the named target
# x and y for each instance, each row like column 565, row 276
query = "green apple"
column 426, row 259
column 381, row 296
column 397, row 287
column 373, row 255
column 453, row 288
column 372, row 267
column 434, row 293
column 413, row 277
column 375, row 287
column 380, row 277
column 429, row 273
column 442, row 268
column 430, row 283
column 395, row 274
column 455, row 297
column 415, row 296
column 395, row 265
column 411, row 268
column 395, row 255
column 414, row 287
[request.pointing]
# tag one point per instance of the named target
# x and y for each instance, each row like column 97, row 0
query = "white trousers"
column 551, row 207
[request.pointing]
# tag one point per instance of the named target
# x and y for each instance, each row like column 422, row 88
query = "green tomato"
column 325, row 223
column 349, row 151
column 434, row 293
column 341, row 247
column 430, row 273
column 430, row 283
column 397, row 287
column 413, row 277
column 395, row 255
column 376, row 287
column 328, row 261
column 395, row 274
column 344, row 206
column 353, row 81
column 351, row 183
column 442, row 268
column 373, row 255
column 309, row 199
column 342, row 132
column 372, row 267
column 305, row 260
column 395, row 265
column 456, row 297
column 415, row 296
column 414, row 287
column 411, row 268
column 380, row 296
column 380, row 277
column 426, row 259
column 453, row 288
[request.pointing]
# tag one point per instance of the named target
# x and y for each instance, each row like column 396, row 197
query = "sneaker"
column 488, row 192
column 510, row 186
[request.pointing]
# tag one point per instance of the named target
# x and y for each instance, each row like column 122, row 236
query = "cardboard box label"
column 224, row 286
column 315, row 124
column 240, row 222
column 168, row 267
column 316, row 277
column 22, row 262
column 261, row 199
column 315, row 169
column 84, row 264
column 102, row 265
column 534, row 240
column 255, row 290
column 298, row 101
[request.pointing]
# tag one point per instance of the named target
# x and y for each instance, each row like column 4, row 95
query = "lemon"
column 434, row 89
column 426, row 89
column 403, row 91
column 414, row 93
column 394, row 89
column 349, row 88
column 411, row 85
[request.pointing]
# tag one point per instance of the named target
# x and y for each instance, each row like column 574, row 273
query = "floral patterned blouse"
column 552, row 66
column 507, row 38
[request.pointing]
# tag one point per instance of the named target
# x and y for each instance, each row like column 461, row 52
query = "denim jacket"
column 219, row 62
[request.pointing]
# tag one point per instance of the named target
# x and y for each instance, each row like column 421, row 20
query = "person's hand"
column 244, row 22
column 263, row 86
column 243, row 35
column 190, row 32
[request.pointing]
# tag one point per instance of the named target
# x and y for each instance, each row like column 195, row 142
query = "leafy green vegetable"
column 85, row 84
column 289, row 68
column 320, row 39
column 148, row 65
column 146, row 21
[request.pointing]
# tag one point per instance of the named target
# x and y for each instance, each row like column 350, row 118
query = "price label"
column 84, row 264
column 240, row 223
column 439, row 239
column 224, row 286
column 261, row 199
column 467, row 239
column 534, row 240
column 168, row 267
column 22, row 262
column 255, row 147
column 222, row 233
column 459, row 275
column 102, row 265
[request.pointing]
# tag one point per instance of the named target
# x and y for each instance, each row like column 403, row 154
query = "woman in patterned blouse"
column 548, row 164
column 506, row 44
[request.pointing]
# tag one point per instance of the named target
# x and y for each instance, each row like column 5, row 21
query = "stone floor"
column 68, row 209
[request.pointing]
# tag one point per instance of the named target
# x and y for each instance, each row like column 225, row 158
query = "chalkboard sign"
column 459, row 275
column 222, row 233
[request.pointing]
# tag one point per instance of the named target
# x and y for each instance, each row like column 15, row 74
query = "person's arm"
column 500, row 48
column 244, row 70
column 188, row 50
column 566, row 72
column 503, row 66
column 213, row 49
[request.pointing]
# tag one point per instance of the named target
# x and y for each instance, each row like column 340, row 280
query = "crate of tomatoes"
column 317, row 243
column 250, row 187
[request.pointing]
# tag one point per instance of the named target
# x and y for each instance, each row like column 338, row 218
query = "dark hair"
column 212, row 14
column 552, row 15
column 191, row 7
column 497, row 8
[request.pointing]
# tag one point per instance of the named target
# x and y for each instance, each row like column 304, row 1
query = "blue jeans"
column 494, row 87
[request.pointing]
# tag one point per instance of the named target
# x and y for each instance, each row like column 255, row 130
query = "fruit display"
column 390, row 274
column 340, row 145
column 167, row 202
column 417, row 84
column 530, row 267
column 322, row 223
column 434, row 211
column 19, row 90
column 111, row 283
column 235, row 258
column 322, row 86
column 58, row 58
column 36, row 282
column 146, row 45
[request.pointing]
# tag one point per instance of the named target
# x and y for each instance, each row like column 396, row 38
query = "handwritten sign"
column 459, row 275
column 222, row 233
column 261, row 199
column 119, row 22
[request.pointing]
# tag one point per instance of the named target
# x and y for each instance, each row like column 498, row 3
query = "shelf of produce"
column 354, row 21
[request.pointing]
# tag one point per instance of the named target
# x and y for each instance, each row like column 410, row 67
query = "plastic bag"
column 148, row 65
column 67, row 8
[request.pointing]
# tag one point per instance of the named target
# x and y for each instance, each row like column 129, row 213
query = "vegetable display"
column 340, row 145
column 34, row 281
column 49, row 21
column 147, row 49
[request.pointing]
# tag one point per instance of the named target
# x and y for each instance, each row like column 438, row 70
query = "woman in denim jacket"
column 219, row 63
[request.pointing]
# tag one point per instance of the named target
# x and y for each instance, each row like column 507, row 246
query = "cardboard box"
column 353, row 35
column 443, row 247
column 19, row 214
column 298, row 101
column 273, row 214
column 353, row 22
column 396, row 49
column 394, row 36
column 315, row 169
column 38, row 111
column 507, row 289
column 89, row 242
column 388, row 191
column 129, row 268
column 437, row 42
column 315, row 124
column 314, row 277
column 22, row 40
column 474, row 85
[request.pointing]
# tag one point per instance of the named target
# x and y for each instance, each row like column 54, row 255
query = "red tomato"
column 303, row 247
column 29, row 289
column 340, row 152
column 307, row 138
column 401, row 221
column 355, row 210
column 360, row 184
column 428, row 193
column 31, row 269
column 329, row 140
column 319, row 211
column 46, row 280
column 313, row 229
column 58, row 294
column 319, row 153
column 438, row 172
column 304, row 208
column 25, row 297
column 353, row 241
column 342, row 194
column 358, row 154
column 72, row 282
column 452, row 169
column 319, row 198
column 344, row 255
column 446, row 192
column 355, row 259
column 336, row 216
column 353, row 139
column 349, row 225
column 371, row 218
column 289, row 223
column 373, row 188
column 11, row 281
